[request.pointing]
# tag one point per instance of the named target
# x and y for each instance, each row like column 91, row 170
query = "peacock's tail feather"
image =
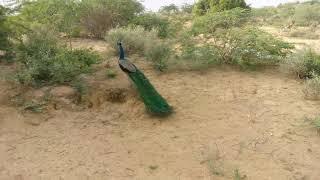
column 153, row 101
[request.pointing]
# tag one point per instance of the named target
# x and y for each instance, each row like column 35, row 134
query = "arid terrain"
column 225, row 120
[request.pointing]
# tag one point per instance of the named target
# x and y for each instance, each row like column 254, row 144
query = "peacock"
column 154, row 102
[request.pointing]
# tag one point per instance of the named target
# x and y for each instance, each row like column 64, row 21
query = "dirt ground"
column 225, row 121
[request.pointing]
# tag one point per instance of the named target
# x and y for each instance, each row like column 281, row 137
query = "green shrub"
column 43, row 61
column 71, row 63
column 177, row 24
column 238, row 43
column 34, row 107
column 193, row 55
column 152, row 21
column 199, row 57
column 159, row 53
column 62, row 15
column 70, row 16
column 312, row 63
column 304, row 64
column 250, row 47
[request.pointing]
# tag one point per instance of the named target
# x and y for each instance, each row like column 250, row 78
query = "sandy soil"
column 225, row 120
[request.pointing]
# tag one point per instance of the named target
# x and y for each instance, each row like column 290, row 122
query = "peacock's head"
column 119, row 43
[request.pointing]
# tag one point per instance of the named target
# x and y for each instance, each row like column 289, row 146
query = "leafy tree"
column 122, row 11
column 172, row 8
column 63, row 15
column 98, row 16
column 69, row 16
column 204, row 6
column 152, row 21
column 201, row 7
column 4, row 31
column 212, row 22
column 230, row 4
column 187, row 8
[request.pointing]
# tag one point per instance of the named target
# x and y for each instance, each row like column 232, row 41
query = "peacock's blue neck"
column 121, row 52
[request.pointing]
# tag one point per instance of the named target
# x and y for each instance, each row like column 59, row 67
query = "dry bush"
column 139, row 41
column 304, row 64
column 97, row 21
column 312, row 88
column 294, row 65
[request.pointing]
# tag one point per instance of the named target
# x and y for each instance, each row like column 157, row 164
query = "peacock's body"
column 154, row 102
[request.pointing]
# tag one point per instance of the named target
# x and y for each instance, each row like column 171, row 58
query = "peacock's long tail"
column 153, row 101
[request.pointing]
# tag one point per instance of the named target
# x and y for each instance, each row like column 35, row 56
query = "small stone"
column 309, row 150
column 63, row 91
column 270, row 103
column 153, row 167
column 18, row 177
column 33, row 122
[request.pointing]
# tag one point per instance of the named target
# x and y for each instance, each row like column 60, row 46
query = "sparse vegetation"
column 111, row 73
column 305, row 65
column 316, row 123
column 34, row 107
column 159, row 53
column 199, row 57
column 312, row 88
column 238, row 176
column 300, row 14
